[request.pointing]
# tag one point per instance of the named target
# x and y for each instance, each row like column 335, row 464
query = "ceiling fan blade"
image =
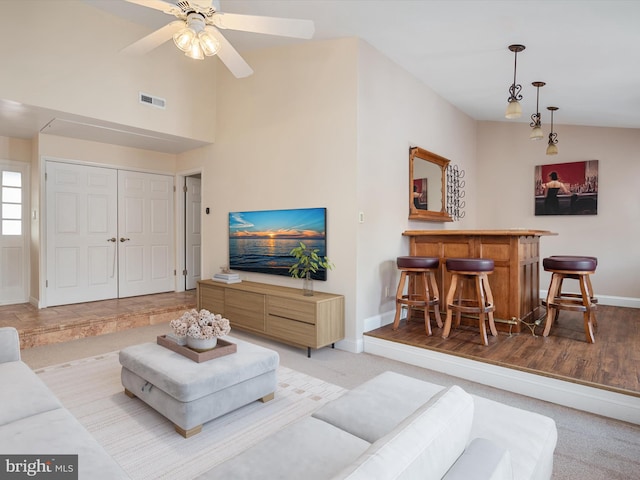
column 160, row 5
column 284, row 27
column 230, row 56
column 154, row 39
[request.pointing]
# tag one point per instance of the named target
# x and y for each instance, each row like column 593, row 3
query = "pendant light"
column 552, row 148
column 536, row 124
column 514, row 110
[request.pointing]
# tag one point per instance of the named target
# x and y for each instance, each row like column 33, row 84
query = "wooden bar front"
column 515, row 282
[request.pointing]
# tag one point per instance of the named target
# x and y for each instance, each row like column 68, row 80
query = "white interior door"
column 145, row 233
column 14, row 234
column 81, row 228
column 192, row 232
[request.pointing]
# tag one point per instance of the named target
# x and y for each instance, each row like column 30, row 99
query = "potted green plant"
column 307, row 262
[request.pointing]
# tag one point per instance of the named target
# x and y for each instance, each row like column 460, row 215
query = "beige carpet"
column 589, row 447
column 146, row 445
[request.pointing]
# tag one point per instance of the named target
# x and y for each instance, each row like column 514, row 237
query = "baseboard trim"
column 611, row 300
column 588, row 399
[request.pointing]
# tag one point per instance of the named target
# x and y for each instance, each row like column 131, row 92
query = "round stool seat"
column 470, row 265
column 575, row 256
column 570, row 263
column 418, row 262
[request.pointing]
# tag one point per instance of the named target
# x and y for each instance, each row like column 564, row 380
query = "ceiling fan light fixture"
column 514, row 110
column 184, row 38
column 195, row 51
column 208, row 43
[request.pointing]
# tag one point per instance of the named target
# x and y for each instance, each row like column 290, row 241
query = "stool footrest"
column 417, row 301
column 471, row 308
column 570, row 305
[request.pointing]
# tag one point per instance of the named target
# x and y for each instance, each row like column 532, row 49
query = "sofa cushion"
column 374, row 408
column 530, row 437
column 308, row 449
column 23, row 394
column 482, row 460
column 58, row 432
column 9, row 345
column 423, row 446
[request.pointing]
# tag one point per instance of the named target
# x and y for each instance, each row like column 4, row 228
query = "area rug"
column 145, row 443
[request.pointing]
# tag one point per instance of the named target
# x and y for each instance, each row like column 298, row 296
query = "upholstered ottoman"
column 190, row 393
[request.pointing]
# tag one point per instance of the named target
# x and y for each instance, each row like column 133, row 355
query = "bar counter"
column 515, row 283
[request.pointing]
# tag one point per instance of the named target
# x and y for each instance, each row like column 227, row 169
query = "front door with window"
column 14, row 214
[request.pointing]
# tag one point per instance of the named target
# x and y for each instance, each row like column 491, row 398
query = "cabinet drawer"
column 293, row 309
column 299, row 333
column 245, row 309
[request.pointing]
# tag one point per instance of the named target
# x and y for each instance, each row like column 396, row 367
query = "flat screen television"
column 260, row 241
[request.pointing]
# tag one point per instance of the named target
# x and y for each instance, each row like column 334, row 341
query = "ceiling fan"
column 197, row 31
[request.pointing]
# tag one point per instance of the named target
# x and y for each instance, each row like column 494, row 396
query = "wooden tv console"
column 281, row 313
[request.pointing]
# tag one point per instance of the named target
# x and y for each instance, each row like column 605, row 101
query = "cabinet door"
column 211, row 298
column 245, row 309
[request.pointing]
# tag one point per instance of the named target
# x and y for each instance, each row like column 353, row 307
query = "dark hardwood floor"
column 611, row 363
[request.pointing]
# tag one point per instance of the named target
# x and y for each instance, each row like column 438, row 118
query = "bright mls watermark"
column 50, row 467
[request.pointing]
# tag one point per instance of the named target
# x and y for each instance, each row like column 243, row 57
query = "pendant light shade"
column 536, row 124
column 552, row 147
column 514, row 110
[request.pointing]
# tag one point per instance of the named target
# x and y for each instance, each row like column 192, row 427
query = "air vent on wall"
column 151, row 100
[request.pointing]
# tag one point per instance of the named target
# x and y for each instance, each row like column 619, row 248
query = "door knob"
column 112, row 239
column 122, row 239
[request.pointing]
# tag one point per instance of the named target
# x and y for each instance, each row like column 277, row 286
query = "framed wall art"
column 567, row 188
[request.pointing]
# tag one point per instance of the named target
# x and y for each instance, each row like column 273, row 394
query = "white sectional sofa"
column 33, row 422
column 398, row 427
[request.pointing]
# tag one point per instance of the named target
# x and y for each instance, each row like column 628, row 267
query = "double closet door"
column 109, row 233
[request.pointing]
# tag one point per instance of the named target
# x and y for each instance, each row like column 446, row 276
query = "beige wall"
column 287, row 139
column 15, row 149
column 68, row 60
column 506, row 161
column 395, row 112
column 329, row 124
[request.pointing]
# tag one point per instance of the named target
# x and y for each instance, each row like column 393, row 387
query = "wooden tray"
column 222, row 348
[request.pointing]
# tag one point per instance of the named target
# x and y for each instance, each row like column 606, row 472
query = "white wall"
column 65, row 56
column 506, row 161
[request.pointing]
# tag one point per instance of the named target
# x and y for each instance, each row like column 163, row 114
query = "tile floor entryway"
column 69, row 322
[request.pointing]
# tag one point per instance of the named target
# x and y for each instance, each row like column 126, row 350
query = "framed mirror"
column 427, row 186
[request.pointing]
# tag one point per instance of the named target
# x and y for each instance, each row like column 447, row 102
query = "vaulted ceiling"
column 586, row 51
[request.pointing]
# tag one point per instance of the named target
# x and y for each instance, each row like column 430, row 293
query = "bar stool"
column 420, row 294
column 575, row 277
column 475, row 270
column 578, row 268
